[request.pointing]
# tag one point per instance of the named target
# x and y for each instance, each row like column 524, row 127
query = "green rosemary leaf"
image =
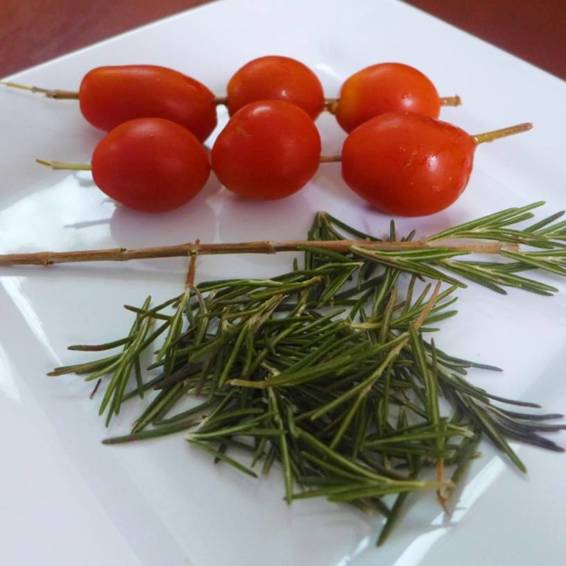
column 412, row 265
column 259, row 453
column 466, row 454
column 175, row 326
column 323, row 465
column 336, row 284
column 154, row 315
column 269, row 459
column 334, row 256
column 212, row 422
column 164, row 399
column 393, row 518
column 83, row 368
column 245, row 329
column 550, row 262
column 184, row 415
column 139, row 378
column 346, row 420
column 380, row 491
column 99, row 347
column 157, row 432
column 486, row 221
column 490, row 428
column 335, row 457
column 223, row 458
column 283, row 446
column 349, row 230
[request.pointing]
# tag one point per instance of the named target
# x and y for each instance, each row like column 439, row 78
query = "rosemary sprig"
column 328, row 370
column 495, row 234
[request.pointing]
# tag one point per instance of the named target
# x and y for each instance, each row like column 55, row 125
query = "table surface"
column 33, row 31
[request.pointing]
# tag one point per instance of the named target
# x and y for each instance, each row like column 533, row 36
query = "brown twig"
column 190, row 279
column 259, row 247
column 419, row 321
column 441, row 495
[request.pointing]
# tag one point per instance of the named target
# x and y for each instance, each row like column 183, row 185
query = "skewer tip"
column 45, row 163
column 486, row 137
column 64, row 166
column 455, row 100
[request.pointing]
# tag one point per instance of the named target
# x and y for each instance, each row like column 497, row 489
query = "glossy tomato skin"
column 385, row 87
column 268, row 150
column 276, row 78
column 407, row 164
column 150, row 164
column 109, row 96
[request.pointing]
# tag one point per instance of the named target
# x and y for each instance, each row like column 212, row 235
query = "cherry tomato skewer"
column 387, row 87
column 111, row 95
column 484, row 137
column 268, row 150
column 59, row 94
column 402, row 163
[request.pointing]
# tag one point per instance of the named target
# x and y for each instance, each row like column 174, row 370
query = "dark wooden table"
column 32, row 31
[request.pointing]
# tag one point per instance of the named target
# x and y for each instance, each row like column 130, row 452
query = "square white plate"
column 67, row 500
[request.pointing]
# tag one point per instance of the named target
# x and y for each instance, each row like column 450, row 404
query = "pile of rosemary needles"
column 329, row 369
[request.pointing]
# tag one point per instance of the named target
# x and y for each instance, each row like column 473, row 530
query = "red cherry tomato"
column 109, row 96
column 268, row 150
column 407, row 164
column 276, row 78
column 150, row 164
column 386, row 87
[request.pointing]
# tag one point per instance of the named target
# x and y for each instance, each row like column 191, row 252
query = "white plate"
column 65, row 499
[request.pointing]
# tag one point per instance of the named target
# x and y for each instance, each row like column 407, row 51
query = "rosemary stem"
column 259, row 247
column 191, row 271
